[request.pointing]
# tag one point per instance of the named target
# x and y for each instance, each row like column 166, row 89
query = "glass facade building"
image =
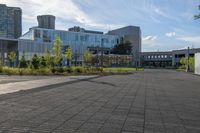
column 37, row 40
column 10, row 22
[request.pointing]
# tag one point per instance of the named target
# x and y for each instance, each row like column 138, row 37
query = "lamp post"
column 188, row 54
column 102, row 41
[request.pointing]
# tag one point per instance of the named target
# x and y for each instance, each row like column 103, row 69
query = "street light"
column 102, row 41
column 188, row 54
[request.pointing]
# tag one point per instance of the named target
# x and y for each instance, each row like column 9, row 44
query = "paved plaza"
column 150, row 101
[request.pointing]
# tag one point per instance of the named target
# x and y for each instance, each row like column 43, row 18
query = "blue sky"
column 165, row 24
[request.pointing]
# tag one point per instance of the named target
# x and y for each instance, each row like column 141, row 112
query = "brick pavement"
column 151, row 101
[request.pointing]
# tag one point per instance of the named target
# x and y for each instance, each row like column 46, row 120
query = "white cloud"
column 170, row 34
column 191, row 39
column 67, row 10
column 149, row 38
column 149, row 41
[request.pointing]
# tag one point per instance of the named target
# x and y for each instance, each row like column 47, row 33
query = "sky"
column 165, row 24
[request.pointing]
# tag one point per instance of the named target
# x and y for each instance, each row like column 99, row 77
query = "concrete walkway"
column 150, row 101
column 14, row 85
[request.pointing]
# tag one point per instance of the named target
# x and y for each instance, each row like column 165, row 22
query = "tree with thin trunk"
column 68, row 56
column 87, row 57
column 12, row 57
column 48, row 58
column 57, row 52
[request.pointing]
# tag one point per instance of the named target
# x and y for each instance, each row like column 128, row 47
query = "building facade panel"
column 10, row 22
column 133, row 35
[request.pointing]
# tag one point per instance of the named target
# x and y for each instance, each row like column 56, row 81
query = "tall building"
column 10, row 22
column 46, row 21
column 133, row 35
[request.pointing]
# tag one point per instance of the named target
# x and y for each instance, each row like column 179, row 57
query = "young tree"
column 57, row 51
column 183, row 61
column 68, row 55
column 87, row 57
column 22, row 62
column 43, row 63
column 48, row 58
column 35, row 61
column 12, row 57
column 192, row 63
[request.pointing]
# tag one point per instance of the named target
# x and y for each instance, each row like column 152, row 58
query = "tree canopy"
column 123, row 48
column 68, row 55
column 57, row 51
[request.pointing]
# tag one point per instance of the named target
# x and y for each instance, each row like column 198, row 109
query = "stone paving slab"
column 152, row 101
column 29, row 82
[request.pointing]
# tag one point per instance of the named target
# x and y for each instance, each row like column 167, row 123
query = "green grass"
column 122, row 69
column 66, row 71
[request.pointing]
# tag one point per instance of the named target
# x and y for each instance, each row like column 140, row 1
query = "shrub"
column 78, row 69
column 13, row 71
column 22, row 62
column 68, row 69
column 1, row 67
column 44, row 71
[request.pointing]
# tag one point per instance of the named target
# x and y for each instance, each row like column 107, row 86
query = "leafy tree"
column 22, row 62
column 87, row 57
column 35, row 61
column 68, row 55
column 123, row 48
column 12, row 57
column 197, row 16
column 183, row 61
column 192, row 63
column 57, row 51
column 43, row 62
column 48, row 58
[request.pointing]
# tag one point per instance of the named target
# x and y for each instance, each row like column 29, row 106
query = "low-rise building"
column 197, row 63
column 156, row 59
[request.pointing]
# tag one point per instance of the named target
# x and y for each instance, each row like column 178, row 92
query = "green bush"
column 59, row 70
column 1, row 67
column 11, row 71
column 44, row 71
column 68, row 69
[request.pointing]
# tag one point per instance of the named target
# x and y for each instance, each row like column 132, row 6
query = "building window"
column 162, row 56
column 165, row 56
column 37, row 33
column 159, row 56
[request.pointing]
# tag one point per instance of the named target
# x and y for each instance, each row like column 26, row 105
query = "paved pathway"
column 152, row 101
column 19, row 83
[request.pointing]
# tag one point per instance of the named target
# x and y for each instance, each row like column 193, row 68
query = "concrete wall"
column 197, row 63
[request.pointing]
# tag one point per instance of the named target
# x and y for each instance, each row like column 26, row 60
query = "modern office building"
column 10, row 22
column 10, row 30
column 133, row 35
column 37, row 40
column 40, row 38
column 46, row 21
